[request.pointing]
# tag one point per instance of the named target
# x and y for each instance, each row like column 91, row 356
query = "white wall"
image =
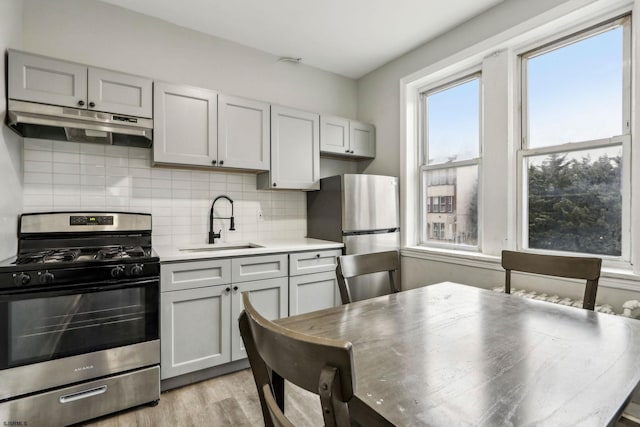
column 10, row 143
column 104, row 35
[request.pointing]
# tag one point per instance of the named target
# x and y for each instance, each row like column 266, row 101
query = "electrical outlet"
column 260, row 215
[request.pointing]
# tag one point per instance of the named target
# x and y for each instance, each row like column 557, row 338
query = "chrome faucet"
column 213, row 236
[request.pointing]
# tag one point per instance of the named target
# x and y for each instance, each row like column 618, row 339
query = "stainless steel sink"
column 220, row 247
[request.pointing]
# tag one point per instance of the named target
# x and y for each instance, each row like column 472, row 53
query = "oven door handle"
column 83, row 394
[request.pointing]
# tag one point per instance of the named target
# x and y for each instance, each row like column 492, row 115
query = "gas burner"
column 119, row 252
column 48, row 256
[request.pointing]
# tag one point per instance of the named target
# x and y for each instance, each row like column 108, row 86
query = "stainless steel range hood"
column 33, row 120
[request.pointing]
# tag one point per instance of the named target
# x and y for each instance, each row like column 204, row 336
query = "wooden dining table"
column 456, row 355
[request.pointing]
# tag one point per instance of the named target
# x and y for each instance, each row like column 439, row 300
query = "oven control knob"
column 21, row 279
column 117, row 271
column 46, row 277
column 136, row 270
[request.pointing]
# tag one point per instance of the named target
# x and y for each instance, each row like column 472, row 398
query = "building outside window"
column 576, row 142
column 451, row 153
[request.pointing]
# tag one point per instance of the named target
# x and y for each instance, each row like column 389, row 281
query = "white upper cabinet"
column 295, row 151
column 199, row 127
column 362, row 139
column 119, row 93
column 185, row 125
column 51, row 81
column 243, row 133
column 334, row 135
column 346, row 138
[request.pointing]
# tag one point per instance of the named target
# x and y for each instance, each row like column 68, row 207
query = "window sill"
column 614, row 278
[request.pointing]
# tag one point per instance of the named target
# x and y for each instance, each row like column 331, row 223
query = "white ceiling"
column 347, row 37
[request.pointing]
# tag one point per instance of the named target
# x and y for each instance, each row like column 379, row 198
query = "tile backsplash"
column 60, row 175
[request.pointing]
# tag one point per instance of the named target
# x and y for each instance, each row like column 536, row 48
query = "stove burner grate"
column 119, row 252
column 48, row 256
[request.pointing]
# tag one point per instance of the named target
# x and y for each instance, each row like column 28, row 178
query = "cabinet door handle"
column 92, row 104
column 227, row 289
column 347, row 151
column 275, row 185
column 81, row 103
column 213, row 162
column 221, row 162
column 235, row 288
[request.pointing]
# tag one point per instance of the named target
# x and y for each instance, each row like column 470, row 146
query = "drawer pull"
column 317, row 255
column 83, row 394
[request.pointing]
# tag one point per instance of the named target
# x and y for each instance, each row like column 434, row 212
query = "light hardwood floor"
column 229, row 400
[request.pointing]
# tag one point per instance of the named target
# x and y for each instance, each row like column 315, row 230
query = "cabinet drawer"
column 313, row 262
column 258, row 268
column 198, row 274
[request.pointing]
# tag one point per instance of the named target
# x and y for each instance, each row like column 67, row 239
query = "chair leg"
column 258, row 367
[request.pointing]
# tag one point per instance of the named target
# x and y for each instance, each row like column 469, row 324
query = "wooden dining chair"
column 350, row 266
column 320, row 365
column 585, row 268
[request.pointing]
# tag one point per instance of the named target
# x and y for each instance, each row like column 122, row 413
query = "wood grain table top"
column 450, row 354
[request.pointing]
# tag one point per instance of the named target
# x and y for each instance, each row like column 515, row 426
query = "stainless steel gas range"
column 79, row 325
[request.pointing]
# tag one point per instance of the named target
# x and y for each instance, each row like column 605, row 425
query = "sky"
column 574, row 94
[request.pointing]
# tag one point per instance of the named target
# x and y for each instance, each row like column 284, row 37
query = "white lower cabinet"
column 199, row 314
column 312, row 292
column 312, row 281
column 270, row 297
column 202, row 300
column 195, row 329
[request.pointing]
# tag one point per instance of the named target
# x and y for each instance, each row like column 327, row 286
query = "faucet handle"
column 232, row 226
column 213, row 236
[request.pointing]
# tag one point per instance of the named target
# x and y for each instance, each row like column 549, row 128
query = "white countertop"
column 230, row 249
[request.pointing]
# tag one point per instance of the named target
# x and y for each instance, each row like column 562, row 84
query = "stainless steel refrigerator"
column 362, row 212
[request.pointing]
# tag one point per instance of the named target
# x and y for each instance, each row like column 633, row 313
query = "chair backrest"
column 350, row 266
column 320, row 365
column 586, row 268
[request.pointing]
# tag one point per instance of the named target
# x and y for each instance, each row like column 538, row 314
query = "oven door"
column 48, row 325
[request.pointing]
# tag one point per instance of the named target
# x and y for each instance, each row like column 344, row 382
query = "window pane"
column 574, row 201
column 454, row 214
column 574, row 92
column 453, row 123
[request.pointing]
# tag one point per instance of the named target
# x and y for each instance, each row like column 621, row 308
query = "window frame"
column 423, row 166
column 624, row 140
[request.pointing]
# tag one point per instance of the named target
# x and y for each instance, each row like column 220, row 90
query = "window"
column 575, row 142
column 451, row 151
column 438, row 231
